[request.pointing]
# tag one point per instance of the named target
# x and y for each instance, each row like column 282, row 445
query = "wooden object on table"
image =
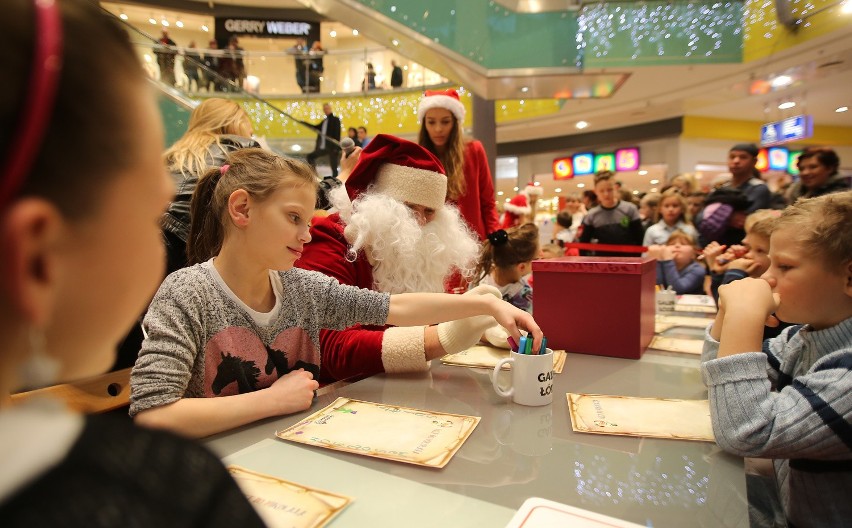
column 96, row 394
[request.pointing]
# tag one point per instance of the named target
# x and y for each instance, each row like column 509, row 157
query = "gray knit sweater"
column 204, row 342
column 800, row 414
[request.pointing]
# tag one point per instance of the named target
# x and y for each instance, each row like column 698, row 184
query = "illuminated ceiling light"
column 581, row 185
column 781, row 81
column 296, row 148
column 354, row 32
column 537, row 184
column 393, row 9
column 123, row 15
column 515, row 189
column 179, row 23
column 785, row 105
column 332, row 33
column 558, row 190
column 500, row 193
column 204, row 28
column 654, row 182
column 635, row 192
column 525, row 89
column 846, row 8
column 151, row 20
column 164, row 22
column 581, row 125
column 395, row 42
column 507, row 200
column 643, row 172
column 841, row 109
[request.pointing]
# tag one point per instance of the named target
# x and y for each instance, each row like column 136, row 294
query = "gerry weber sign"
column 790, row 129
column 226, row 27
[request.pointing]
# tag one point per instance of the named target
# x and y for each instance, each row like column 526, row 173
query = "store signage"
column 791, row 129
column 778, row 159
column 255, row 27
column 622, row 160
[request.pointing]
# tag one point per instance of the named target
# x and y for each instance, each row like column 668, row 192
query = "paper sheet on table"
column 391, row 432
column 695, row 303
column 676, row 344
column 536, row 512
column 483, row 356
column 664, row 322
column 651, row 417
column 284, row 504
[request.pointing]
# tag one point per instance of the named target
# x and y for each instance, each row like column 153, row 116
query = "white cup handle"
column 494, row 375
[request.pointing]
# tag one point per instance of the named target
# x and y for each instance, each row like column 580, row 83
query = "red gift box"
column 596, row 305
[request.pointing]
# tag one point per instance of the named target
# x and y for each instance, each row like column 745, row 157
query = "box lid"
column 619, row 265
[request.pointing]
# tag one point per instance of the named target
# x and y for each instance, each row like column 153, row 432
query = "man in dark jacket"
column 329, row 129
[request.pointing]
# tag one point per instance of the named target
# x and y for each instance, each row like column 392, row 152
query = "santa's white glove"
column 462, row 334
column 497, row 336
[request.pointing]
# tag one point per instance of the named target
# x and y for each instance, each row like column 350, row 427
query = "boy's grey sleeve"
column 165, row 364
column 805, row 419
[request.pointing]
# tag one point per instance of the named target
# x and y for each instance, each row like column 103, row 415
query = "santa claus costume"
column 377, row 241
column 520, row 208
column 476, row 204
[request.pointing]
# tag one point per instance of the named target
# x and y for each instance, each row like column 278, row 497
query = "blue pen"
column 522, row 346
column 543, row 349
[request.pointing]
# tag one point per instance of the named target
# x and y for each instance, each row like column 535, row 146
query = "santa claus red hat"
column 533, row 190
column 447, row 99
column 400, row 169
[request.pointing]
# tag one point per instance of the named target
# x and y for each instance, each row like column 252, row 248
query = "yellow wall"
column 710, row 128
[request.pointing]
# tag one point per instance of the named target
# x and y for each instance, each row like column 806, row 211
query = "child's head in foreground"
column 811, row 261
column 605, row 189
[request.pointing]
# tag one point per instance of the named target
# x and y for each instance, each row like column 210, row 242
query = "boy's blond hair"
column 762, row 222
column 822, row 226
column 604, row 176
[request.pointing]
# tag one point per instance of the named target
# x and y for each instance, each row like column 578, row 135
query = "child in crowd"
column 671, row 217
column 562, row 233
column 613, row 221
column 749, row 260
column 676, row 264
column 800, row 414
column 506, row 261
column 695, row 204
column 549, row 251
column 243, row 324
column 648, row 206
column 82, row 253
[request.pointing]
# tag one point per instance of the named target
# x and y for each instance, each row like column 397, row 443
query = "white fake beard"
column 405, row 256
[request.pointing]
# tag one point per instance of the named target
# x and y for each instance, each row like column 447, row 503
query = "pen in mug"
column 512, row 344
column 543, row 348
column 522, row 346
column 529, row 345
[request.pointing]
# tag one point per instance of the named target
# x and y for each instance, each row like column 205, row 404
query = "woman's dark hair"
column 258, row 172
column 564, row 219
column 519, row 245
column 89, row 137
column 825, row 156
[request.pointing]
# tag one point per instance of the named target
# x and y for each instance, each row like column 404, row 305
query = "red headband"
column 37, row 109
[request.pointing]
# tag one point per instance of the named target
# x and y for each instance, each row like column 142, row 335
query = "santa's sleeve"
column 357, row 350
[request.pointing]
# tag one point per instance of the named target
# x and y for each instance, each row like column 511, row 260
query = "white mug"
column 666, row 300
column 532, row 378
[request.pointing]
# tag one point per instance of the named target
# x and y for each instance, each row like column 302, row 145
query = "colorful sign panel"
column 563, row 168
column 584, row 163
column 605, row 162
column 791, row 129
column 793, row 162
column 627, row 159
column 779, row 158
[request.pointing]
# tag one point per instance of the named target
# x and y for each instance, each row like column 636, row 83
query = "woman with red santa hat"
column 521, row 209
column 469, row 184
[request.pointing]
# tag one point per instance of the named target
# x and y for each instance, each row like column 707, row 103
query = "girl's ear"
column 238, row 207
column 29, row 236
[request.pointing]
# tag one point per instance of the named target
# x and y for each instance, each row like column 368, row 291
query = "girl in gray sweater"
column 242, row 324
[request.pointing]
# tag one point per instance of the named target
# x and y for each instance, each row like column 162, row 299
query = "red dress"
column 477, row 205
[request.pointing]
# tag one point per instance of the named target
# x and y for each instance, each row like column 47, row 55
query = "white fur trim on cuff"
column 404, row 349
column 514, row 209
column 408, row 184
column 441, row 101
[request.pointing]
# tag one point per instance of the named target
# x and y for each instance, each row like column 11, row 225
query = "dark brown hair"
column 89, row 139
column 521, row 245
column 258, row 172
column 824, row 155
column 452, row 159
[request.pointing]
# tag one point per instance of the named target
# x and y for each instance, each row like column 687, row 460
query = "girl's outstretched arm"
column 410, row 309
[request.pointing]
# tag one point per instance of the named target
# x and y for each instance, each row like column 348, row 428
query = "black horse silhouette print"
column 277, row 359
column 234, row 368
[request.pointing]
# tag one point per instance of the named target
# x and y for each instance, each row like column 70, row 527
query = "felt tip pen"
column 522, row 345
column 512, row 344
column 529, row 345
column 543, row 349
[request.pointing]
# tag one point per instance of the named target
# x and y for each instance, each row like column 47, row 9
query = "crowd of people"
column 211, row 69
column 272, row 300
